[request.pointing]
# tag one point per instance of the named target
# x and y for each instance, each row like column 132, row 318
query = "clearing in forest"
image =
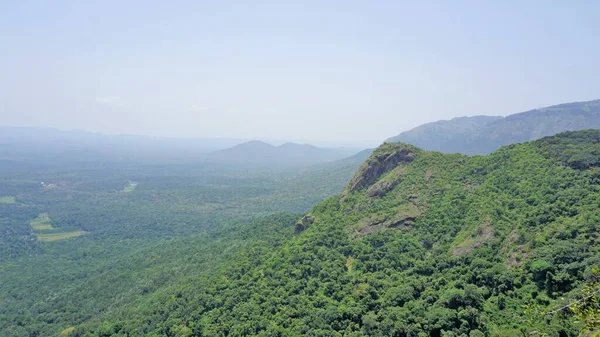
column 7, row 200
column 48, row 237
column 130, row 186
column 42, row 222
column 44, row 231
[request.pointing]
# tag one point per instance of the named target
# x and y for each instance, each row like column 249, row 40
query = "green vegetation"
column 418, row 244
column 183, row 223
column 49, row 237
column 44, row 231
column 7, row 200
column 497, row 243
column 42, row 222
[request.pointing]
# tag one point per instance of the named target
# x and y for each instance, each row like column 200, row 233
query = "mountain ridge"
column 484, row 134
column 289, row 154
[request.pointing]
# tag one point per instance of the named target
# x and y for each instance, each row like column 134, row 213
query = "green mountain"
column 484, row 134
column 418, row 244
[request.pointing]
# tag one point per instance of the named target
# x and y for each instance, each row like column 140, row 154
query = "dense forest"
column 418, row 243
column 83, row 236
column 299, row 169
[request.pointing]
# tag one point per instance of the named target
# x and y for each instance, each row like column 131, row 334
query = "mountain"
column 257, row 153
column 484, row 134
column 419, row 243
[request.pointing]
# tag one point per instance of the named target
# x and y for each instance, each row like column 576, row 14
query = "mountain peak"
column 254, row 143
column 385, row 158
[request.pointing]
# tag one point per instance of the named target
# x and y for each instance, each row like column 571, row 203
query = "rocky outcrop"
column 403, row 221
column 405, row 217
column 304, row 223
column 384, row 159
column 381, row 188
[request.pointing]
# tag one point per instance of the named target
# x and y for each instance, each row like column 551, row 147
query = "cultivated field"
column 7, row 200
column 48, row 237
column 45, row 232
column 130, row 186
column 42, row 222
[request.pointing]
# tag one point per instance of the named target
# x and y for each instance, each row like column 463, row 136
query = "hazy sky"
column 349, row 71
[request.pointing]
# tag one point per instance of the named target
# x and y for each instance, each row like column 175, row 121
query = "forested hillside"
column 418, row 244
column 484, row 134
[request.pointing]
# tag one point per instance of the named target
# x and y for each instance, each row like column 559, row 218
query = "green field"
column 130, row 186
column 42, row 222
column 47, row 233
column 58, row 236
column 7, row 200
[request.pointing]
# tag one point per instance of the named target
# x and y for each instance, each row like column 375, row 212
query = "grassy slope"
column 7, row 200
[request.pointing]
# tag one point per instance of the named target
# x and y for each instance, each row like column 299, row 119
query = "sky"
column 326, row 72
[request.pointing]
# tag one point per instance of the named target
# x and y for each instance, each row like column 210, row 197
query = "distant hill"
column 38, row 148
column 484, row 134
column 258, row 153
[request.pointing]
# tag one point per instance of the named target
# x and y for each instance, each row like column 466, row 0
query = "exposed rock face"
column 384, row 159
column 303, row 223
column 404, row 221
column 381, row 188
column 405, row 217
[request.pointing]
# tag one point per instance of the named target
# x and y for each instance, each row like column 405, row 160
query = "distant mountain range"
column 467, row 135
column 258, row 153
column 47, row 145
column 484, row 134
column 43, row 143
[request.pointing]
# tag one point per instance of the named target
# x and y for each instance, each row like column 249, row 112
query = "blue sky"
column 344, row 72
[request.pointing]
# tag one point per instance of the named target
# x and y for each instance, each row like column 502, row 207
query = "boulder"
column 304, row 223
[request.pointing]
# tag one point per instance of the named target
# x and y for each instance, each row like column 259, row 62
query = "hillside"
column 484, row 134
column 419, row 243
column 261, row 154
